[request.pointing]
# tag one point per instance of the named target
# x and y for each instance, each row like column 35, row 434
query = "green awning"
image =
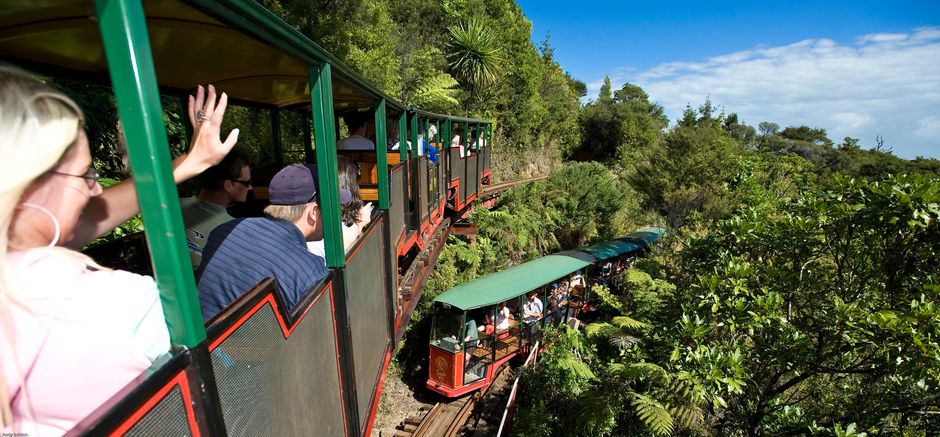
column 515, row 281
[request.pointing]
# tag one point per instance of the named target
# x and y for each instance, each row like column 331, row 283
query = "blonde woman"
column 71, row 332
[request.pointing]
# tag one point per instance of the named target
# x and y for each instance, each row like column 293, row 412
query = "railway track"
column 444, row 419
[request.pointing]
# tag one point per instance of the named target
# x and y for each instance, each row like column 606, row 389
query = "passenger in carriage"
column 242, row 252
column 223, row 185
column 503, row 317
column 72, row 333
column 355, row 215
column 392, row 136
column 455, row 142
column 426, row 145
column 488, row 327
column 532, row 309
column 577, row 280
column 555, row 301
column 361, row 129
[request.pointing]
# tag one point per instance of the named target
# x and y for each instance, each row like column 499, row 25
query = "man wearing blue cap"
column 241, row 253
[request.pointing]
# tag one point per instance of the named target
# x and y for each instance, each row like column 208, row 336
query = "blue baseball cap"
column 296, row 184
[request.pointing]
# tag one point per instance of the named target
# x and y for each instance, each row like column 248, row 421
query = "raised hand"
column 206, row 148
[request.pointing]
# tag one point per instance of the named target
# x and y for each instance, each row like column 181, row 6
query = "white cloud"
column 887, row 84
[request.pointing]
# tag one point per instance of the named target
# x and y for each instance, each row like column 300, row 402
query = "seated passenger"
column 577, row 280
column 559, row 302
column 488, row 327
column 355, row 215
column 392, row 136
column 429, row 145
column 72, row 333
column 361, row 128
column 223, row 185
column 470, row 340
column 532, row 309
column 242, row 252
column 503, row 317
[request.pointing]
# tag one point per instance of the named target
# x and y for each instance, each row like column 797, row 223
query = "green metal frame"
column 321, row 100
column 127, row 48
column 403, row 136
column 413, row 121
column 381, row 154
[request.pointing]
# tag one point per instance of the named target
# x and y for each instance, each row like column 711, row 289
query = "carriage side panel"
column 366, row 295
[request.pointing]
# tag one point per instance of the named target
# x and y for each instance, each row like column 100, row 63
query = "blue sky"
column 856, row 68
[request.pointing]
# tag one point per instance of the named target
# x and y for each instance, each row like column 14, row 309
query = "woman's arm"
column 118, row 203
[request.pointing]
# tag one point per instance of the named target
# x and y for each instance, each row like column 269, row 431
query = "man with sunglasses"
column 223, row 185
column 242, row 252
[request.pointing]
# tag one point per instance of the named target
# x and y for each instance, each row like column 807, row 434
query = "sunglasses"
column 91, row 176
column 245, row 183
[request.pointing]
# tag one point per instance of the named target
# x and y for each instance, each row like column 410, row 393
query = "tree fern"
column 653, row 414
column 683, row 387
column 595, row 330
column 687, row 416
column 624, row 341
column 629, row 323
column 636, row 371
column 437, row 91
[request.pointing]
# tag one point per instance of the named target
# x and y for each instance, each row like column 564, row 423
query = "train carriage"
column 258, row 367
column 465, row 354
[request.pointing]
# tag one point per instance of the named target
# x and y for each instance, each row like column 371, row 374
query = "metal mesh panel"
column 435, row 184
column 396, row 210
column 473, row 174
column 457, row 172
column 365, row 291
column 167, row 418
column 272, row 386
column 486, row 158
column 467, row 181
column 423, row 189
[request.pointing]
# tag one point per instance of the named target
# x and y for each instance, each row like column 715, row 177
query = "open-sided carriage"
column 465, row 353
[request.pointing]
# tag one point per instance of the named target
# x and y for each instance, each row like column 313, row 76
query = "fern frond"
column 644, row 370
column 600, row 330
column 438, row 90
column 570, row 363
column 653, row 415
column 687, row 390
column 687, row 416
column 629, row 323
column 616, row 368
column 624, row 341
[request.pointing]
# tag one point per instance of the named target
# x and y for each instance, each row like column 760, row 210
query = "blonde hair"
column 287, row 212
column 38, row 125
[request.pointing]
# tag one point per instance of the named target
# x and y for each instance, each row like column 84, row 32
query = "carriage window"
column 446, row 325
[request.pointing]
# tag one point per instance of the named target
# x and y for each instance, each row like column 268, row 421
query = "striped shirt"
column 241, row 253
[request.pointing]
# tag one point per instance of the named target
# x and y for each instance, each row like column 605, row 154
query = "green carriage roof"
column 515, row 281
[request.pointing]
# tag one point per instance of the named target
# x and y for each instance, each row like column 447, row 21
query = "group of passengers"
column 286, row 243
column 73, row 333
column 362, row 128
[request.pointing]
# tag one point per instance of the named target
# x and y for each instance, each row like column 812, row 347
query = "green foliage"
column 417, row 49
column 473, row 54
column 830, row 302
column 618, row 124
column 653, row 414
column 815, row 136
column 691, row 173
column 436, row 93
